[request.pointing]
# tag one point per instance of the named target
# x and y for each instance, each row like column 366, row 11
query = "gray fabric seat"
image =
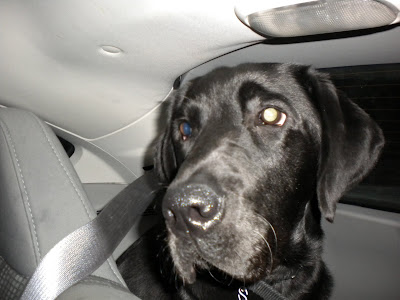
column 42, row 200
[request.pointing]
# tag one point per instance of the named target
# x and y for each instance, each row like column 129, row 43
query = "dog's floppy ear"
column 350, row 142
column 165, row 160
column 165, row 163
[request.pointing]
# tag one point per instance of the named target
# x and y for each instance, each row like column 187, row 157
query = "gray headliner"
column 53, row 63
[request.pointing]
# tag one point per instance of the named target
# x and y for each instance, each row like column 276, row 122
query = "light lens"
column 318, row 17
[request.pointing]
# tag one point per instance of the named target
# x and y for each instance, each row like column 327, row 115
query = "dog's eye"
column 186, row 130
column 272, row 116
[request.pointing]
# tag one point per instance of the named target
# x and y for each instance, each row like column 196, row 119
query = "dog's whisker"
column 187, row 98
column 176, row 281
column 227, row 277
column 263, row 219
column 269, row 248
column 211, row 274
column 273, row 230
column 230, row 282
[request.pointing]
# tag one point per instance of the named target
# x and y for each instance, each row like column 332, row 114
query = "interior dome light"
column 317, row 17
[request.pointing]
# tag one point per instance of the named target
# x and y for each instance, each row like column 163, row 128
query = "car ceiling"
column 98, row 70
column 54, row 64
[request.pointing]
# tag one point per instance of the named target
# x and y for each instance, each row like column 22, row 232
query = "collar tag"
column 242, row 293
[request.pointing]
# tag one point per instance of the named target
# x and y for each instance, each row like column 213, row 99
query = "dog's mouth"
column 238, row 258
column 188, row 262
column 185, row 258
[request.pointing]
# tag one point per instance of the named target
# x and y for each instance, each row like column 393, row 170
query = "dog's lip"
column 198, row 258
column 201, row 261
column 187, row 272
column 191, row 276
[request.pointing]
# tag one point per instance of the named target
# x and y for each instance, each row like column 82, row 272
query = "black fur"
column 262, row 188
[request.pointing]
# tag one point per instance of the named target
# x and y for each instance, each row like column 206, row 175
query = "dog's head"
column 253, row 155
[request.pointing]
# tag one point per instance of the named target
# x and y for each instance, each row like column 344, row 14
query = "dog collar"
column 262, row 290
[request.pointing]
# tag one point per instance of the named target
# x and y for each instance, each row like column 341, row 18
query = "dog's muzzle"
column 192, row 209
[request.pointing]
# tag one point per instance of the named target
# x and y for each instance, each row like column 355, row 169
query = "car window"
column 376, row 89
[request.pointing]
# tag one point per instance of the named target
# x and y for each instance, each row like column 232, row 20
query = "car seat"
column 42, row 200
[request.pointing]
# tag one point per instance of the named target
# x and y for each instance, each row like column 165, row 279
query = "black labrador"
column 252, row 156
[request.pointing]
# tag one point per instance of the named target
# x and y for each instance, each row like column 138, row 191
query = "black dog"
column 252, row 157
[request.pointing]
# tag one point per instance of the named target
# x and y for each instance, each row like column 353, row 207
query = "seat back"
column 42, row 200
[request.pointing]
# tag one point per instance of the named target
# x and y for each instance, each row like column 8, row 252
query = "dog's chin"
column 188, row 259
column 187, row 271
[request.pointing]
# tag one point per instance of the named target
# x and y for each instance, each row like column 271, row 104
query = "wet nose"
column 192, row 208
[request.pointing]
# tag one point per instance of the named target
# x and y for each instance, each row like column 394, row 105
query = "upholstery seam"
column 62, row 165
column 115, row 273
column 36, row 243
column 105, row 282
column 73, row 184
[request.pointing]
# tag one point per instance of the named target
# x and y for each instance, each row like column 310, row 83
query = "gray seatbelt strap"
column 83, row 251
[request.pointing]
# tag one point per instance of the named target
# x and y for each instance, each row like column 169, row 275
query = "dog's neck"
column 302, row 268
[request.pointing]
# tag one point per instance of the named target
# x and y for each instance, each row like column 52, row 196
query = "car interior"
column 82, row 87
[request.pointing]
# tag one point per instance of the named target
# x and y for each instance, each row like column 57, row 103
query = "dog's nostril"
column 204, row 210
column 203, row 217
column 170, row 215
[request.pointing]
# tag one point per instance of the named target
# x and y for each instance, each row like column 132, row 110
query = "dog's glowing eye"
column 272, row 116
column 186, row 130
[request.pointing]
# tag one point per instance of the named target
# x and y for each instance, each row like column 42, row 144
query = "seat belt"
column 84, row 250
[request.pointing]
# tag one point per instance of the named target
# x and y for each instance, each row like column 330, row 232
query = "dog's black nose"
column 192, row 208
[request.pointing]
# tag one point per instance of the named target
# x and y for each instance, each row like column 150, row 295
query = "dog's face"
column 247, row 153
